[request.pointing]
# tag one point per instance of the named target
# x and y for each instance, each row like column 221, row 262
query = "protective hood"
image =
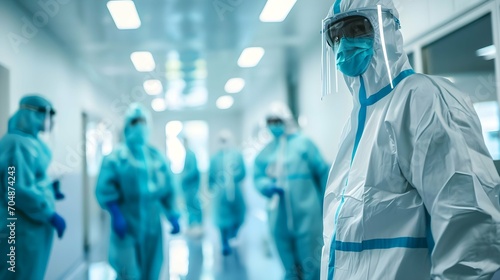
column 225, row 139
column 31, row 116
column 377, row 77
column 136, row 128
column 281, row 111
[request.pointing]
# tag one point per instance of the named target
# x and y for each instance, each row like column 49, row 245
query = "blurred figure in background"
column 291, row 172
column 135, row 186
column 28, row 192
column 190, row 187
column 227, row 171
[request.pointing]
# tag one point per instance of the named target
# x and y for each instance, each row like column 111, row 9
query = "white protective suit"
column 413, row 192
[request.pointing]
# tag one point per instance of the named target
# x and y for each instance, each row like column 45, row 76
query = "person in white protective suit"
column 413, row 192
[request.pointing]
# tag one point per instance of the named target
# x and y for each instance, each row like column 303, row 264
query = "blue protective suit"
column 227, row 171
column 137, row 177
column 292, row 162
column 34, row 201
column 191, row 188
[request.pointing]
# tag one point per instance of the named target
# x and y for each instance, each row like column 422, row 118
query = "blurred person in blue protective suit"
column 28, row 192
column 227, row 171
column 135, row 186
column 190, row 189
column 291, row 172
column 413, row 192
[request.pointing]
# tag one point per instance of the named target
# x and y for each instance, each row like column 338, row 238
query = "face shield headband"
column 348, row 43
column 138, row 120
column 274, row 121
column 44, row 110
column 48, row 112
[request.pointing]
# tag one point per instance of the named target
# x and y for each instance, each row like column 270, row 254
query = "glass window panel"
column 467, row 58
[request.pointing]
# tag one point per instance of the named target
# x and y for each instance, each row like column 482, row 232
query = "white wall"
column 324, row 119
column 41, row 65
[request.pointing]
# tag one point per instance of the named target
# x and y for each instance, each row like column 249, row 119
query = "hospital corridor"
column 249, row 139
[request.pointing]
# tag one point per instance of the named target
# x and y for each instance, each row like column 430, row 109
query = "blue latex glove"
column 174, row 221
column 56, row 186
column 59, row 224
column 269, row 192
column 226, row 249
column 118, row 222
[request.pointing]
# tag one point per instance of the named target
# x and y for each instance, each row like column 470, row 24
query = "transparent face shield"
column 49, row 121
column 349, row 43
column 48, row 112
column 46, row 130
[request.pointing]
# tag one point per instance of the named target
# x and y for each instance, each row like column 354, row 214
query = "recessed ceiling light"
column 234, row 85
column 276, row 10
column 224, row 102
column 250, row 57
column 143, row 61
column 153, row 87
column 124, row 14
column 159, row 105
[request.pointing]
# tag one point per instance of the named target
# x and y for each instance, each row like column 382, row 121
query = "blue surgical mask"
column 354, row 55
column 277, row 129
column 137, row 135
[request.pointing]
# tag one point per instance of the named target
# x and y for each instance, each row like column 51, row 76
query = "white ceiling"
column 85, row 27
column 87, row 30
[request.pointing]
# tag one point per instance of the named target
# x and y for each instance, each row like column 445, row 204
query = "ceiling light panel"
column 124, row 14
column 234, row 85
column 224, row 102
column 250, row 57
column 158, row 104
column 276, row 10
column 153, row 87
column 143, row 61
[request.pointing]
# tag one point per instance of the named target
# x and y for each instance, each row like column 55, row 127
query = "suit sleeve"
column 108, row 188
column 318, row 166
column 443, row 155
column 191, row 173
column 32, row 197
column 261, row 180
column 212, row 173
column 169, row 201
column 239, row 168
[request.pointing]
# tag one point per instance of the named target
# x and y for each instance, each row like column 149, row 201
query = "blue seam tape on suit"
column 336, row 7
column 375, row 244
column 299, row 177
column 365, row 102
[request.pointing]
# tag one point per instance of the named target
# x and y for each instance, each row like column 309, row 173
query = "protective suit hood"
column 225, row 139
column 281, row 111
column 136, row 132
column 376, row 77
column 27, row 119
